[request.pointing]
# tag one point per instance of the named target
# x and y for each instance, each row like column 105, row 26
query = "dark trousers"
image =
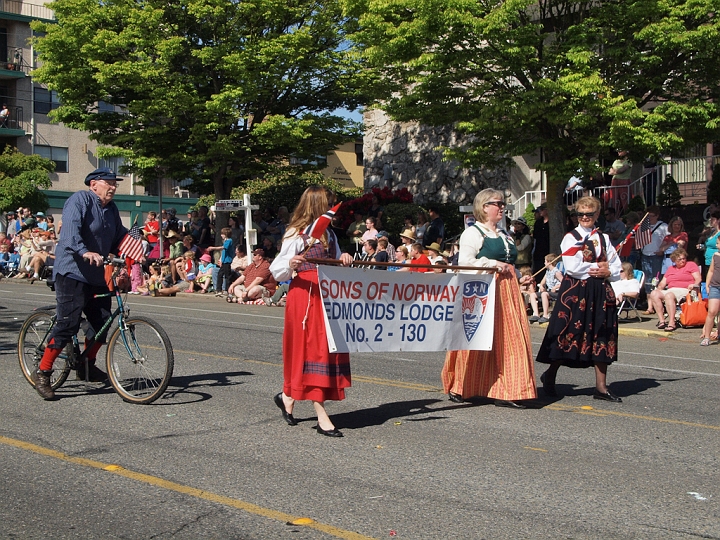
column 223, row 280
column 73, row 299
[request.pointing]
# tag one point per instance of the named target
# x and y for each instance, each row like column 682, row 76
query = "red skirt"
column 310, row 370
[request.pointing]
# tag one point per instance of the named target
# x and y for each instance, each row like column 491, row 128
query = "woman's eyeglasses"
column 499, row 204
column 585, row 214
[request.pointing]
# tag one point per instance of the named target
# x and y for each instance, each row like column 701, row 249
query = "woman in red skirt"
column 311, row 371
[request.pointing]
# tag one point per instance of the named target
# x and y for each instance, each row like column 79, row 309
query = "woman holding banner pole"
column 505, row 373
column 583, row 327
column 310, row 370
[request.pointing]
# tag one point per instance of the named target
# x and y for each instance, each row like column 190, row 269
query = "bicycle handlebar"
column 114, row 261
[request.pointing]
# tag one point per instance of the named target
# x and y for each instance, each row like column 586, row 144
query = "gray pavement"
column 213, row 458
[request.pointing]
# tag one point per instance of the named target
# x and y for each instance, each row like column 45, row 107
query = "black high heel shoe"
column 548, row 385
column 335, row 432
column 288, row 417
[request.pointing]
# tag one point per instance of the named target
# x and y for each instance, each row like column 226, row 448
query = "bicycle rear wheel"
column 140, row 360
column 31, row 346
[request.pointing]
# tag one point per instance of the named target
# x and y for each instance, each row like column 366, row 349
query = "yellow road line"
column 187, row 490
column 605, row 412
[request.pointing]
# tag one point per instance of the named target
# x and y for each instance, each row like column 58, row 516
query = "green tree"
column 573, row 79
column 212, row 90
column 669, row 192
column 21, row 179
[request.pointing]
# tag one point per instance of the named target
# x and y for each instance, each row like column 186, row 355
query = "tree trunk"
column 223, row 187
column 556, row 212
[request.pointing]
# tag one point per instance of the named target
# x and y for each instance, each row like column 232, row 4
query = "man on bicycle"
column 91, row 230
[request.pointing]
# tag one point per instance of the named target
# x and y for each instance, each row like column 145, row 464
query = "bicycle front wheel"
column 140, row 360
column 31, row 346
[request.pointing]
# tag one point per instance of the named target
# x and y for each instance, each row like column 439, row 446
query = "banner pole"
column 377, row 263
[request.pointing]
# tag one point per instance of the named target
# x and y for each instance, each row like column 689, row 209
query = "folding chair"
column 629, row 303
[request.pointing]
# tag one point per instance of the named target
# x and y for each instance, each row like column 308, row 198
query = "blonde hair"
column 481, row 199
column 550, row 257
column 525, row 270
column 588, row 202
column 628, row 269
column 313, row 203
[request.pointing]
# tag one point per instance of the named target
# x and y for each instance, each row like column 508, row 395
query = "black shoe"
column 335, row 432
column 95, row 374
column 607, row 396
column 41, row 379
column 455, row 398
column 286, row 415
column 548, row 386
column 509, row 404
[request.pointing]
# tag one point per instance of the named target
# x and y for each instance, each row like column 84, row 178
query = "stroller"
column 9, row 268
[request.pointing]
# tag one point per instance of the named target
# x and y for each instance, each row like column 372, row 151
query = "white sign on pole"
column 231, row 205
column 375, row 310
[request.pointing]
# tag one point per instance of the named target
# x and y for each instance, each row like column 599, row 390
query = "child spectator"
column 204, row 275
column 529, row 291
column 4, row 259
column 627, row 285
column 226, row 258
column 712, row 283
column 186, row 267
column 549, row 286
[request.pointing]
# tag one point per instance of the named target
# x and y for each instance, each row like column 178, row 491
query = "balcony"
column 13, row 125
column 22, row 11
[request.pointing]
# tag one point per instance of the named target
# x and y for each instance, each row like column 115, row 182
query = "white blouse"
column 577, row 268
column 291, row 246
column 471, row 241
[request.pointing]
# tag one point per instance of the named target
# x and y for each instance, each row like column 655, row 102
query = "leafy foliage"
column 21, row 179
column 283, row 186
column 362, row 204
column 669, row 193
column 637, row 204
column 577, row 79
column 211, row 90
column 529, row 215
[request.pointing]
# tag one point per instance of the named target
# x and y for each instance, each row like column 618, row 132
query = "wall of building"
column 405, row 155
column 342, row 166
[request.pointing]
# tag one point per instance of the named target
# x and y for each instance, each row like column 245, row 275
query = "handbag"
column 694, row 312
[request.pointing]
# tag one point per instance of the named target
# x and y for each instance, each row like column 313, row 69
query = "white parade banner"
column 379, row 311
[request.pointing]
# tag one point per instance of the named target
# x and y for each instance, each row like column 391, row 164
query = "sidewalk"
column 632, row 327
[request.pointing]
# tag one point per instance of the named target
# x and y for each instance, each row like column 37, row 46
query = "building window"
column 359, row 154
column 113, row 163
column 55, row 153
column 45, row 100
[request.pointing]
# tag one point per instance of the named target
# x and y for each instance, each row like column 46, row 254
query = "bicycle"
column 139, row 355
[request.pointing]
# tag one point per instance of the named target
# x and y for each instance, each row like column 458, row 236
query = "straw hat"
column 409, row 234
column 434, row 247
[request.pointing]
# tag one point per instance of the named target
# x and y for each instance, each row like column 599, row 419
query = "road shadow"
column 187, row 385
column 377, row 416
column 619, row 388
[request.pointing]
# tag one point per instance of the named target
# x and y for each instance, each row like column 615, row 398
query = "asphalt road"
column 214, row 459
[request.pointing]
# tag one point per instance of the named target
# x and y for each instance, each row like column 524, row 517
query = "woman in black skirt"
column 582, row 331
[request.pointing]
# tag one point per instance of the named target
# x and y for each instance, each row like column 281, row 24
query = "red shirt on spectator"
column 263, row 271
column 421, row 259
column 152, row 228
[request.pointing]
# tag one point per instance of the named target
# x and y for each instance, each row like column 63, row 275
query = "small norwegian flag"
column 320, row 225
column 578, row 246
column 131, row 246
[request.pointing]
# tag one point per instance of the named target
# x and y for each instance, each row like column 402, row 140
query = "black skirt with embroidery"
column 583, row 327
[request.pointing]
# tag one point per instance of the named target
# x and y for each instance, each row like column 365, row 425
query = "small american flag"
column 320, row 225
column 644, row 235
column 578, row 246
column 131, row 246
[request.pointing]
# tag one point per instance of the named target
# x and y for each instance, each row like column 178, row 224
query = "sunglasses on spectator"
column 585, row 214
column 499, row 204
